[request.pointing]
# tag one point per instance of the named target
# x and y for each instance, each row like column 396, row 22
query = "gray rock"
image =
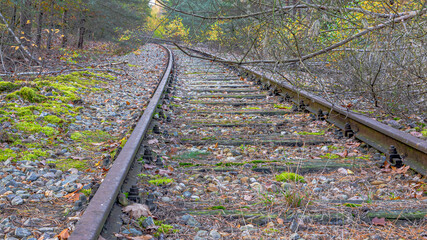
column 58, row 174
column 317, row 189
column 294, row 236
column 70, row 179
column 70, row 188
column 49, row 175
column 157, row 193
column 32, row 222
column 190, row 221
column 201, row 235
column 17, row 201
column 342, row 197
column 148, row 222
column 132, row 231
column 22, row 232
column 248, row 227
column 394, row 124
column 195, row 198
column 215, row 235
column 32, row 177
column 187, row 194
column 166, row 199
column 47, row 229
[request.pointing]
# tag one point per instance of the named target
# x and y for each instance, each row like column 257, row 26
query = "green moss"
column 53, row 119
column 31, row 127
column 289, row 177
column 251, row 108
column 234, row 164
column 32, row 155
column 352, row 205
column 26, row 93
column 192, row 155
column 164, row 229
column 281, row 106
column 7, row 86
column 91, row 136
column 7, row 153
column 424, row 133
column 65, row 164
column 86, row 192
column 186, row 164
column 160, row 181
column 217, row 208
column 311, row 133
column 330, row 156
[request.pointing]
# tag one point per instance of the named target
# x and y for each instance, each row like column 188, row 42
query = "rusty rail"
column 91, row 222
column 376, row 134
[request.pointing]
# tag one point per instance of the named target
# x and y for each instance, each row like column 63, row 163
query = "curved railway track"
column 205, row 152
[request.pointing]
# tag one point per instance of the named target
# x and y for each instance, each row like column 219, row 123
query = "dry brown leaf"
column 343, row 154
column 137, row 210
column 280, row 221
column 145, row 237
column 98, row 144
column 64, row 234
column 378, row 221
column 153, row 141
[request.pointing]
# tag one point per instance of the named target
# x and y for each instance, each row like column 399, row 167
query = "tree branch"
column 401, row 19
column 23, row 48
column 285, row 9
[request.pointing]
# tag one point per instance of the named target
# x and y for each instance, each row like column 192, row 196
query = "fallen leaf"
column 172, row 151
column 378, row 221
column 64, row 234
column 416, row 134
column 247, row 197
column 343, row 154
column 146, row 166
column 137, row 210
column 98, row 144
column 145, row 237
column 153, row 141
column 280, row 221
column 170, row 168
column 77, row 158
column 163, row 172
column 342, row 171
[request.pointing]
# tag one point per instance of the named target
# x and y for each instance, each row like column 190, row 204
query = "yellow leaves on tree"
column 215, row 32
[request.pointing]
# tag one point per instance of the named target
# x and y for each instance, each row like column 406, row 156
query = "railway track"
column 226, row 157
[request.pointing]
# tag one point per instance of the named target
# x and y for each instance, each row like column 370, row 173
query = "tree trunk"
column 51, row 30
column 64, row 29
column 26, row 22
column 13, row 21
column 39, row 29
column 82, row 30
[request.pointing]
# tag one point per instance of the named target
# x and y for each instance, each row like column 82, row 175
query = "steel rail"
column 93, row 219
column 374, row 133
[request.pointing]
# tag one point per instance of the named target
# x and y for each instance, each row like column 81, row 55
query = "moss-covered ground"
column 39, row 112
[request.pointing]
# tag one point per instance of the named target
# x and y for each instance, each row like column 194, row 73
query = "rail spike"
column 348, row 132
column 394, row 158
